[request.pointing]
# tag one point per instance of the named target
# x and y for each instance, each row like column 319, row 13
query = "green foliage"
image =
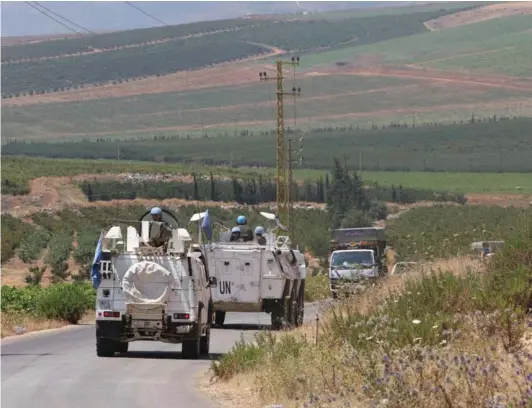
column 423, row 148
column 13, row 232
column 35, row 275
column 59, row 251
column 64, row 73
column 66, row 302
column 14, row 188
column 20, row 299
column 33, row 244
column 84, row 252
column 348, row 202
column 428, row 314
column 245, row 356
column 447, row 230
column 307, row 35
column 63, row 301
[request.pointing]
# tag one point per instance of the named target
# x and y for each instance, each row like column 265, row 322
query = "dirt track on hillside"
column 246, row 74
column 480, row 14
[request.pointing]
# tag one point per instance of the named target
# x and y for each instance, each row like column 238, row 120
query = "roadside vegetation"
column 36, row 308
column 451, row 335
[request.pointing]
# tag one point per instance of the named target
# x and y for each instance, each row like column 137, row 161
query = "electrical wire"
column 57, row 21
column 64, row 18
column 143, row 12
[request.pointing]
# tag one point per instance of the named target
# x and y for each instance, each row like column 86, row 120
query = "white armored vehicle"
column 153, row 286
column 257, row 277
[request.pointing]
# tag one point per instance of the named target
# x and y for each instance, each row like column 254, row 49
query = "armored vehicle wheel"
column 277, row 319
column 219, row 317
column 205, row 342
column 123, row 347
column 301, row 305
column 105, row 348
column 191, row 348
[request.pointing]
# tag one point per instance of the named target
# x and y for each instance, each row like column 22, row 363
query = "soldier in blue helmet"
column 259, row 234
column 235, row 234
column 246, row 235
column 165, row 231
column 156, row 214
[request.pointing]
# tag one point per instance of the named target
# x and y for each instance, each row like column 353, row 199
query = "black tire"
column 219, row 317
column 191, row 349
column 105, row 347
column 277, row 320
column 205, row 342
column 122, row 347
column 301, row 305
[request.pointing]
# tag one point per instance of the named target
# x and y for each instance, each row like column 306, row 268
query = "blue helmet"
column 156, row 211
column 259, row 230
column 235, row 229
column 241, row 220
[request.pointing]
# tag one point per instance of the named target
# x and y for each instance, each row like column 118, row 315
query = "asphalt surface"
column 60, row 369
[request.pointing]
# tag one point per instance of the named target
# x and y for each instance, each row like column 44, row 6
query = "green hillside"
column 116, row 39
column 334, row 100
column 101, row 68
column 455, row 48
column 487, row 146
column 163, row 58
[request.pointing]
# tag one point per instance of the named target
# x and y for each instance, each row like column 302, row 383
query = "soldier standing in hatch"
column 166, row 229
column 248, row 234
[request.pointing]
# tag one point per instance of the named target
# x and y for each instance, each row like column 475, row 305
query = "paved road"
column 61, row 369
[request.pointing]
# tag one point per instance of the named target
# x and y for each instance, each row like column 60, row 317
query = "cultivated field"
column 353, row 98
column 468, row 147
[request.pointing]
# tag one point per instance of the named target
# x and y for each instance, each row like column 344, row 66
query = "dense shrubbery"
column 472, row 147
column 453, row 337
column 63, row 301
column 33, row 244
column 13, row 232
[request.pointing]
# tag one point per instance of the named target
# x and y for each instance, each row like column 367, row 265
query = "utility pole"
column 281, row 179
column 291, row 180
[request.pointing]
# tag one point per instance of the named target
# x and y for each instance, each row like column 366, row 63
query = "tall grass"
column 449, row 335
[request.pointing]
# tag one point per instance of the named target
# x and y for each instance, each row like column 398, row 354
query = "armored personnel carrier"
column 257, row 276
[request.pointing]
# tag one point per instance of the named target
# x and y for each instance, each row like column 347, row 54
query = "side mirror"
column 212, row 282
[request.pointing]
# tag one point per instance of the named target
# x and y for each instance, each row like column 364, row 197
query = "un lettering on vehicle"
column 225, row 287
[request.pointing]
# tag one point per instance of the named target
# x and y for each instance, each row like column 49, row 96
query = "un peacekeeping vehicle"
column 152, row 286
column 257, row 276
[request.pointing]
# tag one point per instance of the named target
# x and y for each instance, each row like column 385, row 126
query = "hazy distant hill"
column 19, row 19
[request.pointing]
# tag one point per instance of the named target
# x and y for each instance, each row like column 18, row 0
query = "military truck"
column 151, row 286
column 357, row 255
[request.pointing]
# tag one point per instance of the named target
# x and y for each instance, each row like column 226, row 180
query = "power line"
column 64, row 18
column 57, row 21
column 143, row 12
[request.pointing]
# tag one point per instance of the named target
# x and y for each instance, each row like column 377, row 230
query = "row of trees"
column 465, row 148
column 165, row 58
column 70, row 46
column 261, row 190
